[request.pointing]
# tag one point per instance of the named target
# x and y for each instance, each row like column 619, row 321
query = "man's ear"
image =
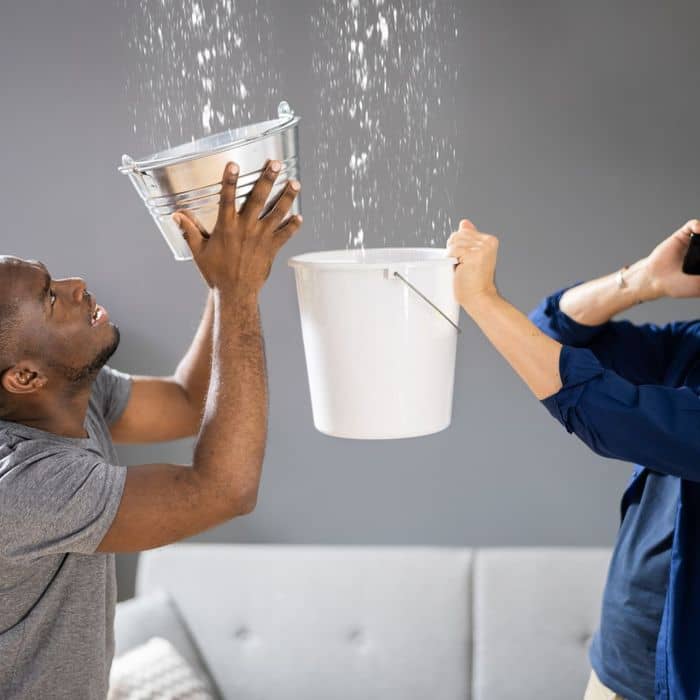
column 25, row 377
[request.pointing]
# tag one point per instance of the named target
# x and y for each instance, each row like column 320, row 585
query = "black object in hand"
column 691, row 262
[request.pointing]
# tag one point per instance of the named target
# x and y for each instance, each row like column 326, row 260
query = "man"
column 66, row 505
column 630, row 393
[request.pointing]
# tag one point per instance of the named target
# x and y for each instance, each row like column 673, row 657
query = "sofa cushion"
column 323, row 622
column 156, row 615
column 534, row 613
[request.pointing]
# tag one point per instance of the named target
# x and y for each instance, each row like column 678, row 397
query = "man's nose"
column 78, row 289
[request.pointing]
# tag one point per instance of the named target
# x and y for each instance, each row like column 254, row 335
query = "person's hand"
column 237, row 255
column 664, row 265
column 476, row 268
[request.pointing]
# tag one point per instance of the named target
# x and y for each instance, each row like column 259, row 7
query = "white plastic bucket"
column 380, row 358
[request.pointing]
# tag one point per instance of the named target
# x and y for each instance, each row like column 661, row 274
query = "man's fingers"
column 195, row 221
column 261, row 191
column 287, row 230
column 227, row 196
column 194, row 236
column 277, row 214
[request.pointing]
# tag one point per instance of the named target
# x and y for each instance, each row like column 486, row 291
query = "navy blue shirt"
column 623, row 650
column 631, row 392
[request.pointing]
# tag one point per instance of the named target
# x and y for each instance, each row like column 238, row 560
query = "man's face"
column 58, row 322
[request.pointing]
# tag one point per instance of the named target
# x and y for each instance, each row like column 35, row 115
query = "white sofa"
column 358, row 623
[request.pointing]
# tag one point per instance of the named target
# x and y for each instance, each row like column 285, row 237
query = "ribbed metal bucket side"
column 212, row 197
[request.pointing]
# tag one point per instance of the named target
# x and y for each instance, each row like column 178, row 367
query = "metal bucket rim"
column 149, row 163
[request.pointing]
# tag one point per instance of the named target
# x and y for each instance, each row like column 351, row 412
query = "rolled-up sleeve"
column 651, row 425
column 641, row 353
column 550, row 319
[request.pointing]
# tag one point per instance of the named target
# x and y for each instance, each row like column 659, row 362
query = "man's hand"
column 663, row 266
column 476, row 268
column 236, row 257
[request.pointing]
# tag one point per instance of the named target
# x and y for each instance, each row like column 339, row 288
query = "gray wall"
column 576, row 125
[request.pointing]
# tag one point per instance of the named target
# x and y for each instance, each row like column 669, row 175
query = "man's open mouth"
column 99, row 316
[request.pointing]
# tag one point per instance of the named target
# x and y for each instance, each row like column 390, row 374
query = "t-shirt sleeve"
column 111, row 392
column 57, row 502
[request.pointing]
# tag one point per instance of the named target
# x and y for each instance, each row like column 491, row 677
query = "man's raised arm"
column 163, row 503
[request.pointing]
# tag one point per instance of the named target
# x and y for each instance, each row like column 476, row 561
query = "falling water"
column 198, row 63
column 383, row 80
column 384, row 95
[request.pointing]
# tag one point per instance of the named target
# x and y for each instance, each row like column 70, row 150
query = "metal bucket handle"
column 393, row 274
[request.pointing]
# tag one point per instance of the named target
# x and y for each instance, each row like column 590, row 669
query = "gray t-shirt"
column 58, row 498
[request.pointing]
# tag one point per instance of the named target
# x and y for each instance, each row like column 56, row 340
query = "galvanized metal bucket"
column 189, row 176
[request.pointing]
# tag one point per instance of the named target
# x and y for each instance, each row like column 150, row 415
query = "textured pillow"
column 156, row 615
column 155, row 671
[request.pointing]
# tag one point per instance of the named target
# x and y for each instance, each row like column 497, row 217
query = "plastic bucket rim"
column 306, row 260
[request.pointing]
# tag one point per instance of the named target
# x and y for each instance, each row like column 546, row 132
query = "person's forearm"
column 231, row 444
column 596, row 302
column 193, row 371
column 531, row 353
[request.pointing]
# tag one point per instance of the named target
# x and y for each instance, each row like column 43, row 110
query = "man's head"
column 53, row 337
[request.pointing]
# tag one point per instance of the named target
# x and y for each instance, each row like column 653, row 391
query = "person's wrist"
column 235, row 296
column 476, row 302
column 642, row 283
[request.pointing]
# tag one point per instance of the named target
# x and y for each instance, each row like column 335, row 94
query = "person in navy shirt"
column 630, row 392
